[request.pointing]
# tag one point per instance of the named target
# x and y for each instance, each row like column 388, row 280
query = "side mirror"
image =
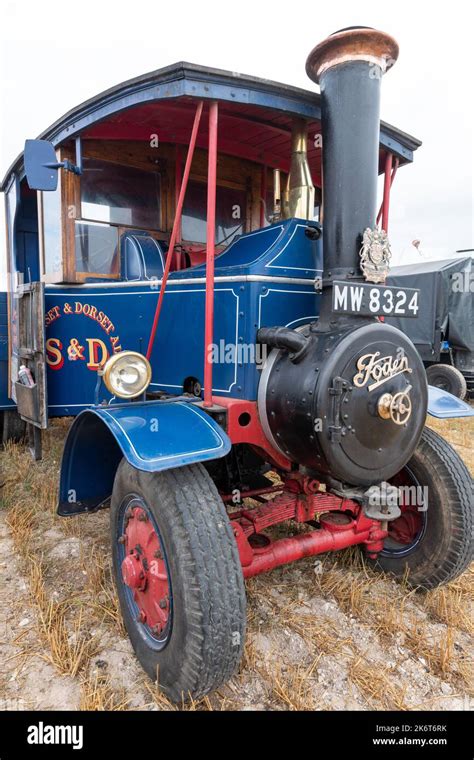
column 41, row 165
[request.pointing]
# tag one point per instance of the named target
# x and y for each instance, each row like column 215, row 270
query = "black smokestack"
column 349, row 66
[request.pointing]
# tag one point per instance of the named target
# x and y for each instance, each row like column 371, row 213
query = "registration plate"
column 374, row 300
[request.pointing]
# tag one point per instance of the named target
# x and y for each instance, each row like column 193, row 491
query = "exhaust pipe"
column 349, row 66
column 312, row 404
column 301, row 188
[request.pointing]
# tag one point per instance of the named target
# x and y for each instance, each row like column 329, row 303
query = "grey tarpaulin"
column 446, row 306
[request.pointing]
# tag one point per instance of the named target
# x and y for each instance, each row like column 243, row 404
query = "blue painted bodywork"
column 152, row 436
column 262, row 279
column 444, row 405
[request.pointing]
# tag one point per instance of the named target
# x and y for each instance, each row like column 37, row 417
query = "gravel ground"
column 322, row 635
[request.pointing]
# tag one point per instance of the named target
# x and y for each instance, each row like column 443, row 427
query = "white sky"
column 54, row 55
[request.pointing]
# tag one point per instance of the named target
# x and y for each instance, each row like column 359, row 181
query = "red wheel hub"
column 132, row 572
column 144, row 570
column 406, row 528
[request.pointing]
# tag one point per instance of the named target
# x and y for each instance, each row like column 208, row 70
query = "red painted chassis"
column 337, row 522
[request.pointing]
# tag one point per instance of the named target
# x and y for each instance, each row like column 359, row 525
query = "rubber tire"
column 449, row 378
column 12, row 427
column 447, row 546
column 209, row 603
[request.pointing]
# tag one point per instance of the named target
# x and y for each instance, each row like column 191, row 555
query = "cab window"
column 231, row 205
column 120, row 195
column 96, row 248
column 82, row 223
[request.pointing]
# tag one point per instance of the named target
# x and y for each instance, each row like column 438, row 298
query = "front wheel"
column 432, row 541
column 179, row 578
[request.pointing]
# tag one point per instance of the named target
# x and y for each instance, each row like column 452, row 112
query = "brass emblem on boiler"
column 375, row 255
column 374, row 370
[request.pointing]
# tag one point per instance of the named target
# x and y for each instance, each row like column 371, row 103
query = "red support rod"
column 178, row 179
column 253, row 492
column 210, row 252
column 388, row 182
column 386, row 190
column 263, row 194
column 288, row 550
column 176, row 226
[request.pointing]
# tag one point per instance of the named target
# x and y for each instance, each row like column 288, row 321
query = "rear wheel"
column 448, row 378
column 432, row 541
column 179, row 578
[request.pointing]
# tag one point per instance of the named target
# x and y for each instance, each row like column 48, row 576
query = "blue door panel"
column 178, row 352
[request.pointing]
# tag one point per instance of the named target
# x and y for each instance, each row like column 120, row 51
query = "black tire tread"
column 453, row 374
column 453, row 481
column 456, row 477
column 210, row 564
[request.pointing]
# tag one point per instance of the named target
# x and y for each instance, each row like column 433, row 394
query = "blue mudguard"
column 444, row 405
column 152, row 436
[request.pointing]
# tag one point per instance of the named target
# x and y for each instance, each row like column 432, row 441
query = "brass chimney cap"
column 356, row 43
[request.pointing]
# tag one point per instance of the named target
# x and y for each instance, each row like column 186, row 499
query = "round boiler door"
column 373, row 389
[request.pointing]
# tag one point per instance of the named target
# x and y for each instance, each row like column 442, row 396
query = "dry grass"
column 161, row 702
column 293, row 687
column 97, row 694
column 101, row 594
column 452, row 605
column 30, row 499
column 320, row 633
column 403, row 611
column 20, row 520
column 367, row 618
column 350, row 590
column 70, row 646
column 377, row 685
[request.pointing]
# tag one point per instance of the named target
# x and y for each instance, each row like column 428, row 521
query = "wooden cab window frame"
column 65, row 270
column 232, row 174
column 69, row 187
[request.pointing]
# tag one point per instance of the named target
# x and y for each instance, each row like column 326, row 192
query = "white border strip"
column 184, row 281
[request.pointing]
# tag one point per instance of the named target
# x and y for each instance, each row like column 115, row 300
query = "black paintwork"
column 323, row 421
